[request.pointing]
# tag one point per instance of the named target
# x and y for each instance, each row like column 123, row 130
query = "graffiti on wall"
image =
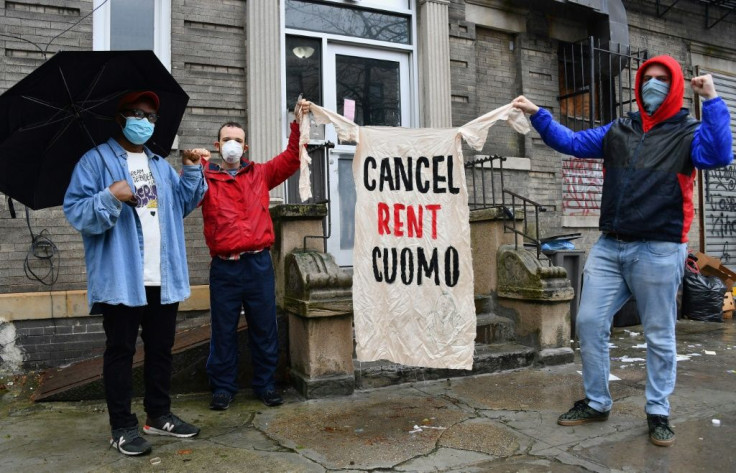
column 719, row 213
column 582, row 187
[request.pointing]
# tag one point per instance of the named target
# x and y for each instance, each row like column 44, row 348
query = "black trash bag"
column 702, row 296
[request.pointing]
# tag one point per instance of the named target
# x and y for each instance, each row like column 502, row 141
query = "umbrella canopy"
column 54, row 115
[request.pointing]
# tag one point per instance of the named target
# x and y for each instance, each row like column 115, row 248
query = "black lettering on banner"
column 436, row 176
column 427, row 268
column 422, row 186
column 453, row 189
column 369, row 184
column 392, row 277
column 376, row 256
column 402, row 175
column 452, row 266
column 386, row 175
column 407, row 266
column 398, row 174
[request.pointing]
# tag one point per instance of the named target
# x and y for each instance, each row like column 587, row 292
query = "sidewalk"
column 488, row 423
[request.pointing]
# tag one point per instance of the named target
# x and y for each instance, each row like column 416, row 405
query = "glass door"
column 372, row 88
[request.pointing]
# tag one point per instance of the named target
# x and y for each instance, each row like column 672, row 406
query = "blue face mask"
column 653, row 93
column 137, row 131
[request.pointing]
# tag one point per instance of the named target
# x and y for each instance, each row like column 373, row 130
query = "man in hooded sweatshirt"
column 649, row 162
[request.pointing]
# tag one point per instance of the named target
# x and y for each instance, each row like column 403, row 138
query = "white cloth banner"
column 413, row 295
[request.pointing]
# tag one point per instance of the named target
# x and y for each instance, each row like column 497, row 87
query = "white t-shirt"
column 147, row 208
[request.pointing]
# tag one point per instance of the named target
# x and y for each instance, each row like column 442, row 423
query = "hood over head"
column 673, row 102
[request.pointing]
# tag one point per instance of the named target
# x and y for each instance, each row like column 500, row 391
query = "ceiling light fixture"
column 303, row 52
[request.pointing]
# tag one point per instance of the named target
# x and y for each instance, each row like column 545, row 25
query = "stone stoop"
column 495, row 350
column 488, row 358
column 491, row 326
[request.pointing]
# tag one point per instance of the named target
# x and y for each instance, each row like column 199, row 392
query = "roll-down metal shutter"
column 718, row 214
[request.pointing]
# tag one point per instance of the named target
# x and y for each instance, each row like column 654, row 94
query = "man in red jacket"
column 239, row 232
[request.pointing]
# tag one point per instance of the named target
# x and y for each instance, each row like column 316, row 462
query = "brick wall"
column 208, row 55
column 485, row 73
column 54, row 343
column 208, row 59
column 489, row 67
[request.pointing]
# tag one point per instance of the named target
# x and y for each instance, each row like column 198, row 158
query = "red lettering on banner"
column 392, row 222
column 414, row 221
column 434, row 209
column 383, row 217
column 398, row 223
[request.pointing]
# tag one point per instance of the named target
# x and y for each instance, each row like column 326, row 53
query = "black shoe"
column 170, row 425
column 220, row 401
column 660, row 432
column 128, row 441
column 581, row 413
column 271, row 398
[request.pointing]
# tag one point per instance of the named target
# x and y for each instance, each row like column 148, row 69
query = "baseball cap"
column 132, row 97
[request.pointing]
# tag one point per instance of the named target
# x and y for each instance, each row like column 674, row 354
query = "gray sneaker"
column 170, row 425
column 660, row 432
column 581, row 413
column 128, row 441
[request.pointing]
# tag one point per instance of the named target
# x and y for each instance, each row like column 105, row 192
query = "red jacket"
column 235, row 209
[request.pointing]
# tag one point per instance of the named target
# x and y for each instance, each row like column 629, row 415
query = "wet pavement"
column 502, row 422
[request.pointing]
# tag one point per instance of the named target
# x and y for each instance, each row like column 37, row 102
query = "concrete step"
column 492, row 328
column 83, row 380
column 488, row 358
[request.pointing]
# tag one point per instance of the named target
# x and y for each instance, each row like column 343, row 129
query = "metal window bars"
column 597, row 82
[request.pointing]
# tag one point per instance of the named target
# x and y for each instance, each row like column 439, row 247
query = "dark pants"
column 158, row 323
column 246, row 283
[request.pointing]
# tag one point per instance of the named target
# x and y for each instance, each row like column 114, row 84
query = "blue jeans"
column 651, row 271
column 247, row 283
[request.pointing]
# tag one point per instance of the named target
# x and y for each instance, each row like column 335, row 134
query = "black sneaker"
column 128, row 441
column 271, row 398
column 220, row 401
column 170, row 425
column 581, row 413
column 660, row 432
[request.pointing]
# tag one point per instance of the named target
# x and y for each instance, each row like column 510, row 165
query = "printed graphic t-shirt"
column 147, row 209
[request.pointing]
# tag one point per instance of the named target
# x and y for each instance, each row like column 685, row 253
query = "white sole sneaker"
column 154, row 431
column 120, row 447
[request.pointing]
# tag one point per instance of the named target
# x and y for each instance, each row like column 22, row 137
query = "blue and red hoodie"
column 649, row 161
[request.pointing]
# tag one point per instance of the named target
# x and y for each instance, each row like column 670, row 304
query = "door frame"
column 344, row 257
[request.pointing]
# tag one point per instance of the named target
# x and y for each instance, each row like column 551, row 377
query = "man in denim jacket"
column 128, row 204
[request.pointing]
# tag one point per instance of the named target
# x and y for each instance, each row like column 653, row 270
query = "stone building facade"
column 464, row 58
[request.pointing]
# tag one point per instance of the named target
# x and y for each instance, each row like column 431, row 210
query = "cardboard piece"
column 728, row 306
column 711, row 266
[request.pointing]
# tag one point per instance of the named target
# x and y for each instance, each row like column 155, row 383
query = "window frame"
column 161, row 33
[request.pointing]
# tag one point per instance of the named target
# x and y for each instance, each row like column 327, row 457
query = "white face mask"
column 231, row 151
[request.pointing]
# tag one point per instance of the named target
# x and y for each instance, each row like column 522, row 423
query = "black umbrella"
column 53, row 116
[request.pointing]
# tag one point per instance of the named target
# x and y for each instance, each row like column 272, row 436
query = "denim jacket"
column 111, row 231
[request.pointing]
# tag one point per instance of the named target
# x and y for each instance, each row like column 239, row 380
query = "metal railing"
column 531, row 237
column 484, row 174
column 320, row 184
column 477, row 169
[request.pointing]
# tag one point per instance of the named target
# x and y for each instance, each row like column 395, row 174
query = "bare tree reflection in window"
column 347, row 21
column 374, row 85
